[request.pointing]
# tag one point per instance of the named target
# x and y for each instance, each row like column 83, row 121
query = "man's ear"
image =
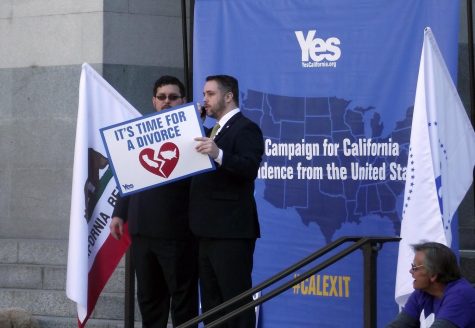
column 228, row 97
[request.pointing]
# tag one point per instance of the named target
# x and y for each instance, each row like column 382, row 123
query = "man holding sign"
column 223, row 212
column 164, row 251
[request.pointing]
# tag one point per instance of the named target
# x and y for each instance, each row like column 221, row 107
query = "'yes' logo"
column 318, row 50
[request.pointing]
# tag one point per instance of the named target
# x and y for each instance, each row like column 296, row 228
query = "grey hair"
column 439, row 260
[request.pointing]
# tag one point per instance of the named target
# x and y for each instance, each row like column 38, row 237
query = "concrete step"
column 49, row 277
column 40, row 302
column 467, row 264
column 34, row 251
column 61, row 322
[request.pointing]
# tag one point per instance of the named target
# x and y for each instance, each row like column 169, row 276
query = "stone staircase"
column 467, row 264
column 33, row 277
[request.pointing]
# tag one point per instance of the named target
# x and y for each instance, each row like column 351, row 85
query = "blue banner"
column 332, row 85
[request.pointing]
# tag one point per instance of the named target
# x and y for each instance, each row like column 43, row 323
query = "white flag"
column 93, row 254
column 440, row 163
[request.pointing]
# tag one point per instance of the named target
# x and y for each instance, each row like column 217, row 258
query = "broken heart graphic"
column 161, row 163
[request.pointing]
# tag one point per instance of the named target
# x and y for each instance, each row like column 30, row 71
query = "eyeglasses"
column 171, row 97
column 414, row 267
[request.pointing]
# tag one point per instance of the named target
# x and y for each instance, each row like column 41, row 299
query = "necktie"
column 214, row 130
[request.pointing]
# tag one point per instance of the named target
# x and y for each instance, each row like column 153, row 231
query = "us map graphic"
column 330, row 202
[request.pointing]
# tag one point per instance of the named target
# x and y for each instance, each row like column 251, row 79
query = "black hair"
column 166, row 80
column 227, row 83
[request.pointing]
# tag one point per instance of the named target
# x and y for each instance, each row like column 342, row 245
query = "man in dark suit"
column 223, row 212
column 164, row 250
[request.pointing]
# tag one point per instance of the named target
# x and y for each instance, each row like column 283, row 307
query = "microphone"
column 202, row 110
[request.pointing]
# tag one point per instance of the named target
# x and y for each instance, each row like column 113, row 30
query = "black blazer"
column 222, row 203
column 160, row 212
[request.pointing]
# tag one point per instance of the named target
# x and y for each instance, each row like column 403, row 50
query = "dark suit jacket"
column 222, row 202
column 160, row 212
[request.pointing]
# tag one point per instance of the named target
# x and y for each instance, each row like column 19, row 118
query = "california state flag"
column 93, row 254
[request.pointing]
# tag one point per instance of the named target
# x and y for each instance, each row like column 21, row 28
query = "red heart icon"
column 162, row 163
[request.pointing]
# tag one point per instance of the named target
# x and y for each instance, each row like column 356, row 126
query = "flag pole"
column 470, row 59
column 129, row 304
column 184, row 31
column 192, row 26
column 471, row 76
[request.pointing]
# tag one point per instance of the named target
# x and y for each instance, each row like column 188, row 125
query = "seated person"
column 440, row 291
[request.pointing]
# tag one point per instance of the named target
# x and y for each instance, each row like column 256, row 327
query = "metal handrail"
column 359, row 242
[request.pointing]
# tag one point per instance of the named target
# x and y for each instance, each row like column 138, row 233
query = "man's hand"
column 207, row 146
column 117, row 227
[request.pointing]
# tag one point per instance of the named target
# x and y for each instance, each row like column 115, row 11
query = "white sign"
column 155, row 149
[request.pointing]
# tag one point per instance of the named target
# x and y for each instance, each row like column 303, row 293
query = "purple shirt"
column 457, row 305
